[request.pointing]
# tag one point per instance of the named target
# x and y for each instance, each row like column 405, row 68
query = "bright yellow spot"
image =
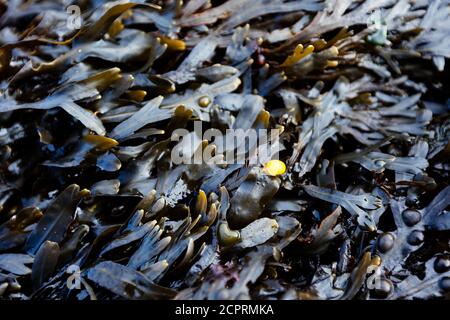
column 275, row 168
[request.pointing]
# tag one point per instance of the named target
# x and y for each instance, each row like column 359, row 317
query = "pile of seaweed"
column 92, row 207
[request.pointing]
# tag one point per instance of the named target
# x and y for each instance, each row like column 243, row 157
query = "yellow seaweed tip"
column 332, row 63
column 116, row 27
column 137, row 95
column 174, row 44
column 274, row 168
column 376, row 261
column 299, row 53
column 226, row 236
column 101, row 142
column 319, row 44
